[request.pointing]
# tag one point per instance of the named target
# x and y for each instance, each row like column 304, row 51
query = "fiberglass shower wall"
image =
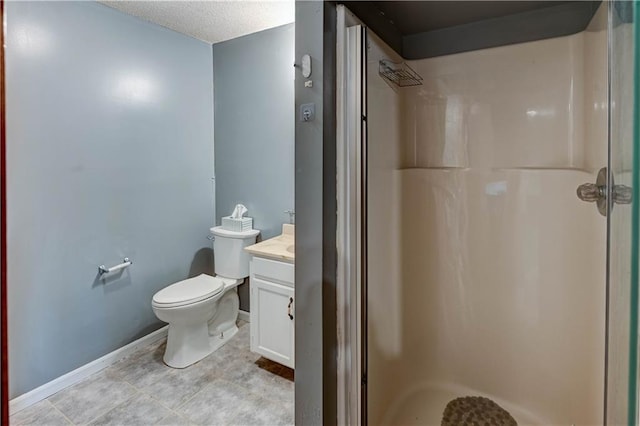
column 486, row 274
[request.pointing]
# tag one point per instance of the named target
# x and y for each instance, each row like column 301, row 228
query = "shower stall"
column 489, row 241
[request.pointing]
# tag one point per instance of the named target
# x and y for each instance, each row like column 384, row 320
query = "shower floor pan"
column 425, row 405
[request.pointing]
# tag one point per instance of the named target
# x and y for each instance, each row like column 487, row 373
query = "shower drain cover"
column 476, row 411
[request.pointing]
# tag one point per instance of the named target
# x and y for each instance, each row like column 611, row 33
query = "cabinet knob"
column 289, row 308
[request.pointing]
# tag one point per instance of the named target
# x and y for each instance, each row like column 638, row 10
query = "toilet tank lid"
column 190, row 290
column 220, row 232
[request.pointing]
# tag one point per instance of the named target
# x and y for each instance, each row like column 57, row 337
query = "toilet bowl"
column 202, row 311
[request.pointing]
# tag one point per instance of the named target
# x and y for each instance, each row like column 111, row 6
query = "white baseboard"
column 38, row 394
column 244, row 315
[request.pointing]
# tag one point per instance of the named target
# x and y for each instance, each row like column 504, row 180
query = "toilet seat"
column 189, row 291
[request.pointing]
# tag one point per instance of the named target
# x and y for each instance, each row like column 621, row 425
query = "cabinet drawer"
column 273, row 270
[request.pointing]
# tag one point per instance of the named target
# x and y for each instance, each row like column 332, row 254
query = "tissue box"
column 237, row 225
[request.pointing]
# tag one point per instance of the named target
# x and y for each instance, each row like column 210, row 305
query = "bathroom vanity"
column 272, row 297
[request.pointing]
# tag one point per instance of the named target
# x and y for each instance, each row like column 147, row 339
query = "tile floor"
column 232, row 386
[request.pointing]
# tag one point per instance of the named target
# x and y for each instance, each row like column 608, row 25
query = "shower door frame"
column 616, row 73
column 351, row 67
column 4, row 368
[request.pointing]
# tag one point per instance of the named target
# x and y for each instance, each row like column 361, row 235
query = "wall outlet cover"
column 307, row 112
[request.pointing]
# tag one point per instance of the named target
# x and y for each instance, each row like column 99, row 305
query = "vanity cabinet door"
column 272, row 323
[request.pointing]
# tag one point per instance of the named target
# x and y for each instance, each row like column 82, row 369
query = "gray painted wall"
column 254, row 129
column 110, row 154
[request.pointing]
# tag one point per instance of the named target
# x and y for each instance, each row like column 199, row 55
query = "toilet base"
column 188, row 343
column 188, row 346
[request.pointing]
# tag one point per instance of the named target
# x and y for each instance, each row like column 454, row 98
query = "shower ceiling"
column 412, row 17
column 423, row 29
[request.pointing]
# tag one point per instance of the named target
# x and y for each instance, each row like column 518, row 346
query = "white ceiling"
column 211, row 21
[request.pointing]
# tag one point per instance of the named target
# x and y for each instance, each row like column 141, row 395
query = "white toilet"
column 202, row 311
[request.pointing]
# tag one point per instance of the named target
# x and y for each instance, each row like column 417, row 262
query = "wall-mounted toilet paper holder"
column 126, row 262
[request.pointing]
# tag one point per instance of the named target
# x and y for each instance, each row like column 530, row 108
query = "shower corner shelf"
column 399, row 74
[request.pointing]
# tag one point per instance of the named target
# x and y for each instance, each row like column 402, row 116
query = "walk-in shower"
column 481, row 273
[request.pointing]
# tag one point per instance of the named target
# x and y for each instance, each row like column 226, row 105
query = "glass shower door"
column 622, row 219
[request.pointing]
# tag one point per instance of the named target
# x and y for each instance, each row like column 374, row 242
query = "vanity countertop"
column 280, row 248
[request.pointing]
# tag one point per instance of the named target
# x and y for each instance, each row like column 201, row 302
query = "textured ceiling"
column 211, row 21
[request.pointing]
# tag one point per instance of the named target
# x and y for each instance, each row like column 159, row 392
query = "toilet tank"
column 231, row 260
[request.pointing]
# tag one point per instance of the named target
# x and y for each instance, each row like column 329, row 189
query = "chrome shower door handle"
column 597, row 192
column 590, row 192
column 622, row 194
